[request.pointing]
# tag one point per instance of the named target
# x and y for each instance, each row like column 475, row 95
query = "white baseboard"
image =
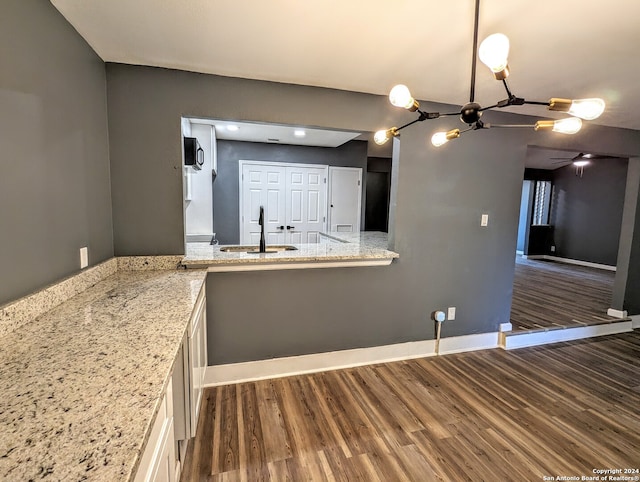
column 571, row 261
column 513, row 341
column 617, row 313
column 319, row 362
column 635, row 322
column 459, row 344
column 505, row 327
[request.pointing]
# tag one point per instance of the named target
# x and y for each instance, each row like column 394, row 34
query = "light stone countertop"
column 371, row 239
column 361, row 246
column 81, row 384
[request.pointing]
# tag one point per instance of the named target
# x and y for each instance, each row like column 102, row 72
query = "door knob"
column 291, row 227
column 279, row 227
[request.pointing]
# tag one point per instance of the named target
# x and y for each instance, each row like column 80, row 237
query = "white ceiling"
column 559, row 48
column 277, row 134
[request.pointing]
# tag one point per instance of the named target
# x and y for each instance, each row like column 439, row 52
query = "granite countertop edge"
column 126, row 329
column 347, row 248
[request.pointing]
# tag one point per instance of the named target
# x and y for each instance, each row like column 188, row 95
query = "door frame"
column 249, row 162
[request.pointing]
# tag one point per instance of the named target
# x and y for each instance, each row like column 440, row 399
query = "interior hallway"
column 560, row 409
column 547, row 295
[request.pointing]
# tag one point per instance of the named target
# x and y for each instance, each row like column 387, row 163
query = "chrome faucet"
column 263, row 244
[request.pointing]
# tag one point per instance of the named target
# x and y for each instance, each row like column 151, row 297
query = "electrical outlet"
column 484, row 221
column 451, row 313
column 84, row 257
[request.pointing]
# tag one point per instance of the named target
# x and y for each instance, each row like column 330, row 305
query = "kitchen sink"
column 256, row 249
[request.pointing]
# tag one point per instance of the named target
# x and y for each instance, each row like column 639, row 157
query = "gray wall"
column 226, row 185
column 54, row 165
column 437, row 199
column 626, row 295
column 586, row 211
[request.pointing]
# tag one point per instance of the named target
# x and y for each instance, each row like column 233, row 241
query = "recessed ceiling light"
column 232, row 128
column 299, row 133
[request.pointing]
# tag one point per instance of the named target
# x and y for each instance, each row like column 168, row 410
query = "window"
column 541, row 203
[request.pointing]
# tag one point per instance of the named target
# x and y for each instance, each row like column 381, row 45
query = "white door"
column 306, row 205
column 262, row 185
column 294, row 199
column 345, row 198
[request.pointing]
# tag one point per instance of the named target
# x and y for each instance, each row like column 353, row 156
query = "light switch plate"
column 84, row 257
column 451, row 313
column 485, row 220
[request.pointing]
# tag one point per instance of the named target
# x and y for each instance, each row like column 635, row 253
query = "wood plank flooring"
column 551, row 295
column 490, row 415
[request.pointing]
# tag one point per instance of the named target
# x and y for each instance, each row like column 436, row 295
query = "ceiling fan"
column 579, row 161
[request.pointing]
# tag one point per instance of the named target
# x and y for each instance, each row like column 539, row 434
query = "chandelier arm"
column 409, row 124
column 506, row 87
column 489, row 107
column 471, row 128
column 534, row 102
column 472, row 90
column 427, row 115
column 510, row 126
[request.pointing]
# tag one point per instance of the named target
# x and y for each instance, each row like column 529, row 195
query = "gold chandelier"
column 494, row 53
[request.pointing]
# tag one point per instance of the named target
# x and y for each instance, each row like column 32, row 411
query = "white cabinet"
column 158, row 462
column 177, row 417
column 188, row 377
column 197, row 359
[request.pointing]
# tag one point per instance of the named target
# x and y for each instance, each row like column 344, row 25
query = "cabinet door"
column 165, row 468
column 158, row 461
column 197, row 355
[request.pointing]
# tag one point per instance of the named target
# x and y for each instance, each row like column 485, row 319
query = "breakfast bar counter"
column 335, row 250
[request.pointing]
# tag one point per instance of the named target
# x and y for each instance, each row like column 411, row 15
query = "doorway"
column 568, row 238
column 345, row 199
column 294, row 197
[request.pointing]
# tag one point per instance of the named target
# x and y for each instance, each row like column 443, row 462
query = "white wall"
column 199, row 210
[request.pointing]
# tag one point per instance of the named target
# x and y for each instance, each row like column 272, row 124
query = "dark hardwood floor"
column 553, row 295
column 555, row 410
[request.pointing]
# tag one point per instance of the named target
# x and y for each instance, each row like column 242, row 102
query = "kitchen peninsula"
column 336, row 249
column 86, row 365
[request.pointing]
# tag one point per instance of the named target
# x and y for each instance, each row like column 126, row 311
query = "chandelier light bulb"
column 587, row 109
column 382, row 136
column 494, row 53
column 440, row 138
column 570, row 125
column 401, row 97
